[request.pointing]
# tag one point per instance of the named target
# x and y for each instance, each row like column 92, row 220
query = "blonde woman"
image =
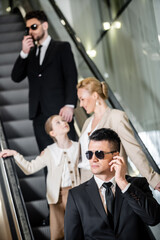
column 92, row 95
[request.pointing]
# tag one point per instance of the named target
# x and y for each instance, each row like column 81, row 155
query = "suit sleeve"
column 70, row 74
column 140, row 199
column 134, row 151
column 19, row 71
column 72, row 222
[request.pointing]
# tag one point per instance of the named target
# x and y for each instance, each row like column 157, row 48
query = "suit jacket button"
column 40, row 75
column 72, row 181
column 71, row 171
column 69, row 162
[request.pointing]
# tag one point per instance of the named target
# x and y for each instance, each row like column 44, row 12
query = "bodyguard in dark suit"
column 110, row 205
column 51, row 71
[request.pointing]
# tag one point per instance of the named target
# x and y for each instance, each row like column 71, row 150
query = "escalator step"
column 10, row 18
column 10, row 48
column 5, row 70
column 18, row 129
column 8, row 58
column 6, row 84
column 33, row 188
column 25, row 146
column 41, row 233
column 10, row 113
column 13, row 97
column 11, row 27
column 11, row 37
column 37, row 212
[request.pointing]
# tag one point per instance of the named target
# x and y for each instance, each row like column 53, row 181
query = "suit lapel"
column 32, row 56
column 49, row 52
column 101, row 123
column 93, row 193
column 118, row 204
column 85, row 125
column 105, row 117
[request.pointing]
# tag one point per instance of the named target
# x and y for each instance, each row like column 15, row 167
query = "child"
column 61, row 159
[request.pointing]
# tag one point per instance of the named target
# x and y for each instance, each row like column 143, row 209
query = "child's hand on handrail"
column 7, row 153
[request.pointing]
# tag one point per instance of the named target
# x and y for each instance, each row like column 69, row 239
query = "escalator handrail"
column 17, row 198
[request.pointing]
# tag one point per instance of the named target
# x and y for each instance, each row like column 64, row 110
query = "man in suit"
column 121, row 210
column 51, row 71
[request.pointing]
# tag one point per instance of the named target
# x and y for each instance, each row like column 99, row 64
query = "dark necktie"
column 39, row 53
column 109, row 201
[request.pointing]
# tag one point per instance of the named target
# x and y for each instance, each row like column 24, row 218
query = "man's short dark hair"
column 107, row 134
column 40, row 15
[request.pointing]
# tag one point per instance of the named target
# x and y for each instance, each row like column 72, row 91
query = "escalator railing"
column 16, row 210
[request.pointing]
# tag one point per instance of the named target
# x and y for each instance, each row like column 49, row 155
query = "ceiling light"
column 63, row 22
column 106, row 25
column 92, row 53
column 8, row 9
column 116, row 25
column 78, row 39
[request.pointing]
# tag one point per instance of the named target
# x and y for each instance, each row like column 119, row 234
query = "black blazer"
column 85, row 217
column 53, row 84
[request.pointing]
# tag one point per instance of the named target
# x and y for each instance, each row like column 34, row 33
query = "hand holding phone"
column 27, row 44
column 118, row 165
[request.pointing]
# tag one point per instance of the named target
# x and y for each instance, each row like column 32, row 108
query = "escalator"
column 18, row 129
column 14, row 109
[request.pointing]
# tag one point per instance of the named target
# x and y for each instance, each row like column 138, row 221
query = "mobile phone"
column 27, row 34
column 27, row 31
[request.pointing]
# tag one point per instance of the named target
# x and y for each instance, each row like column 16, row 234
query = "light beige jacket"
column 54, row 171
column 118, row 121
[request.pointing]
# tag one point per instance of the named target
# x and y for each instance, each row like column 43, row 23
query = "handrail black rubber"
column 19, row 204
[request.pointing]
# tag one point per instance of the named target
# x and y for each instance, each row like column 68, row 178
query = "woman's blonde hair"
column 92, row 84
column 48, row 126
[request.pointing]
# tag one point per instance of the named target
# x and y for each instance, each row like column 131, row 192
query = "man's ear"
column 45, row 25
column 115, row 154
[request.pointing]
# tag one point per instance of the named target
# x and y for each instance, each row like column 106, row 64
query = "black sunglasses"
column 99, row 154
column 33, row 27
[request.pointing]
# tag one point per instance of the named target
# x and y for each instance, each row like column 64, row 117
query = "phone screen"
column 27, row 31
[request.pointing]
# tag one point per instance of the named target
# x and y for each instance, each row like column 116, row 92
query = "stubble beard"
column 40, row 37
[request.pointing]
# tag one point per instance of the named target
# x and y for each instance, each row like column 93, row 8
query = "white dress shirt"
column 113, row 187
column 103, row 189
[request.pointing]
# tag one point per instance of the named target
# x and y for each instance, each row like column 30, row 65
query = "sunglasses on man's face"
column 99, row 154
column 33, row 27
